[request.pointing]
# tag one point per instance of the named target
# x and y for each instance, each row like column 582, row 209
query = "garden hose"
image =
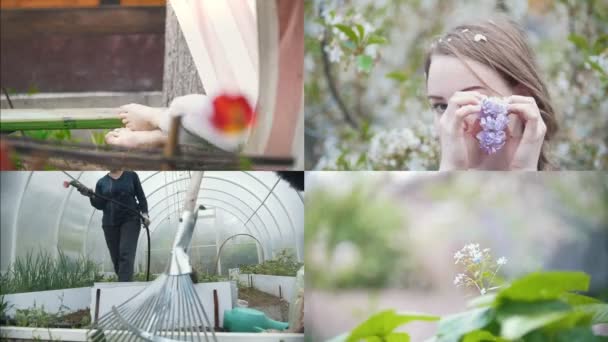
column 76, row 183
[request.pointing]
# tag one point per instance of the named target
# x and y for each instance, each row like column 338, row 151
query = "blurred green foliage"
column 362, row 218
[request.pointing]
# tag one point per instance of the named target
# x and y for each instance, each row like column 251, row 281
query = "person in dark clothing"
column 120, row 226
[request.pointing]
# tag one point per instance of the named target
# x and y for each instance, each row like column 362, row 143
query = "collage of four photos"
column 304, row 170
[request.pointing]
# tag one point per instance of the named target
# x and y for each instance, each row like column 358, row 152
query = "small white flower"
column 479, row 37
column 335, row 53
column 371, row 50
column 368, row 28
column 502, row 261
column 476, row 258
column 458, row 256
column 333, row 20
column 459, row 280
column 483, row 291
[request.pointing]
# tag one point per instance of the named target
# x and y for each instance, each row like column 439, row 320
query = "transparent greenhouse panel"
column 12, row 185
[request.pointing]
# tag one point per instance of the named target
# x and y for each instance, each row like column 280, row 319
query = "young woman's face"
column 448, row 75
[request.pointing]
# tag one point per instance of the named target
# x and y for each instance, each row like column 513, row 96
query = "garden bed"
column 272, row 306
column 53, row 301
column 105, row 295
column 278, row 286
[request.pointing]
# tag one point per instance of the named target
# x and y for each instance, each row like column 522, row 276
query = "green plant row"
column 543, row 306
column 43, row 272
column 38, row 317
column 284, row 264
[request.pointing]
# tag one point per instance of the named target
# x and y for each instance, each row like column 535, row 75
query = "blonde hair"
column 501, row 45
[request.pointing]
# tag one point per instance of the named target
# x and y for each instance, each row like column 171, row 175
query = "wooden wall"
column 12, row 4
column 71, row 49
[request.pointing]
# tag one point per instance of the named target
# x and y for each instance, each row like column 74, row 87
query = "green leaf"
column 481, row 335
column 514, row 327
column 579, row 41
column 572, row 320
column 600, row 44
column 348, row 32
column 365, row 63
column 397, row 76
column 361, row 31
column 383, row 323
column 599, row 312
column 483, row 300
column 575, row 299
column 513, row 308
column 376, row 39
column 578, row 334
column 38, row 134
column 595, row 66
column 32, row 89
column 397, row 337
column 453, row 327
column 545, row 286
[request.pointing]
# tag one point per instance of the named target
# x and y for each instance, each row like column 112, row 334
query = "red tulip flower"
column 232, row 114
column 66, row 184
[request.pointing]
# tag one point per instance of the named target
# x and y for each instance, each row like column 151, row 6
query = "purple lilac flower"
column 494, row 123
column 491, row 141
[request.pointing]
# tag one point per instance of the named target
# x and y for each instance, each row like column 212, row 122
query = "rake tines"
column 168, row 310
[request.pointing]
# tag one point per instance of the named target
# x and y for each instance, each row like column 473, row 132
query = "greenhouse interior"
column 248, row 234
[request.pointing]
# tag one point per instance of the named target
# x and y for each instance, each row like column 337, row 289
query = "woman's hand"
column 146, row 219
column 528, row 152
column 84, row 190
column 453, row 126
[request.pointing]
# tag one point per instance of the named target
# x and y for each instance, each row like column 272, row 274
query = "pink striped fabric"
column 223, row 39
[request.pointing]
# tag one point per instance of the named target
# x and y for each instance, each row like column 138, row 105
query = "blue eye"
column 439, row 108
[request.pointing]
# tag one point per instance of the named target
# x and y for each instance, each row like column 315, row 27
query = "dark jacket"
column 125, row 190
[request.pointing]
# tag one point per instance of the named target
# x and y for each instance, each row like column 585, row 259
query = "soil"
column 274, row 307
column 74, row 319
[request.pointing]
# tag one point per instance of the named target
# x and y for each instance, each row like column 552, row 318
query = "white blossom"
column 459, row 280
column 372, row 50
column 335, row 53
column 479, row 37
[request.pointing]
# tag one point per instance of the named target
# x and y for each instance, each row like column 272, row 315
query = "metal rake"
column 169, row 309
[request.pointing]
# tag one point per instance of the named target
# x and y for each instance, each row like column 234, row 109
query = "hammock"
column 254, row 48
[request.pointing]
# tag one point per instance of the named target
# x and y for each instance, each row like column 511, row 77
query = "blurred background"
column 366, row 106
column 386, row 240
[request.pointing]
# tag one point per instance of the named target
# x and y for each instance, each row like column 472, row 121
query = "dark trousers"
column 122, row 244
